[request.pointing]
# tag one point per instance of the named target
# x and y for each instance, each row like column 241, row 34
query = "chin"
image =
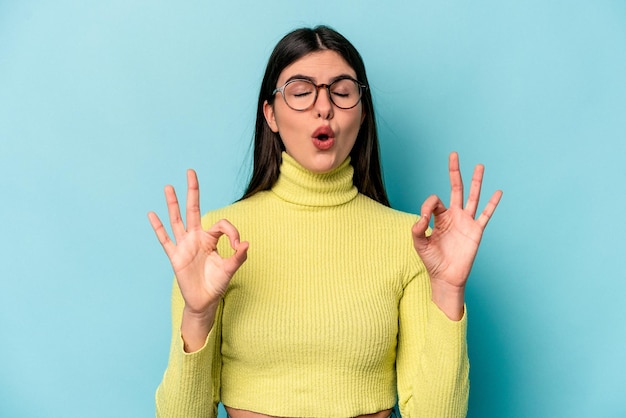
column 325, row 164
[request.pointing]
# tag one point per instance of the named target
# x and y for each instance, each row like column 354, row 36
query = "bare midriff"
column 240, row 413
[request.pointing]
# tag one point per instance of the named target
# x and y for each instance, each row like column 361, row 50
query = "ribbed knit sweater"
column 330, row 316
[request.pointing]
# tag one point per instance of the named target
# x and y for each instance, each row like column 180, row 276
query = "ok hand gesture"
column 202, row 274
column 449, row 252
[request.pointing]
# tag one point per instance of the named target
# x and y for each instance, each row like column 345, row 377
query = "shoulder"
column 384, row 214
column 242, row 209
column 392, row 229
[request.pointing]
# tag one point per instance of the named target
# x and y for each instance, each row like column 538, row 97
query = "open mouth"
column 323, row 138
column 323, row 142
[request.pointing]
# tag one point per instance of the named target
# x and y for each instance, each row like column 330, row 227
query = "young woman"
column 333, row 304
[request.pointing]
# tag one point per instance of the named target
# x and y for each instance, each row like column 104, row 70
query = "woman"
column 335, row 305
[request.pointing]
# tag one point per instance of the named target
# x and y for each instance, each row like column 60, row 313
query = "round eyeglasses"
column 301, row 94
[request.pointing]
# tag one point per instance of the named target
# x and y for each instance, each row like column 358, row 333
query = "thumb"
column 420, row 240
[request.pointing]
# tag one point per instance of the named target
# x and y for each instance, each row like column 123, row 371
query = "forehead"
column 321, row 66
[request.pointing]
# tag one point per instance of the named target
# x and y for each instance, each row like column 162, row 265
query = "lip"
column 323, row 144
column 323, row 130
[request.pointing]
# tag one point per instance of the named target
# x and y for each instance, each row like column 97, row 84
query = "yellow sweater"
column 330, row 316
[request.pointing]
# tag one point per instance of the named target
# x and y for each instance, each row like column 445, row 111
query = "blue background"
column 103, row 103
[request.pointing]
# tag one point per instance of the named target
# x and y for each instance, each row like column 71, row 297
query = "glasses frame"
column 281, row 90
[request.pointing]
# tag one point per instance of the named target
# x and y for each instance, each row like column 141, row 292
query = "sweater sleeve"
column 191, row 383
column 432, row 362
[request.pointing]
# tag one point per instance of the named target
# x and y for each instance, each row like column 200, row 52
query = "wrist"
column 450, row 299
column 195, row 327
column 201, row 316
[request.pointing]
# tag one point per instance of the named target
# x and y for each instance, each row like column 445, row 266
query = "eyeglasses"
column 301, row 94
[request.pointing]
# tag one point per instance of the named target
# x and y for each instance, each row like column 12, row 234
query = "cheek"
column 357, row 122
column 286, row 121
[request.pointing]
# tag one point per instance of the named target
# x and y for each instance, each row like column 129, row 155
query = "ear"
column 270, row 117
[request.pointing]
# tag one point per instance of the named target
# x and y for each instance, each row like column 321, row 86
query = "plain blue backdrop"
column 103, row 103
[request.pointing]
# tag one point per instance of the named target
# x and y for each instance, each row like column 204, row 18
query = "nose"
column 323, row 105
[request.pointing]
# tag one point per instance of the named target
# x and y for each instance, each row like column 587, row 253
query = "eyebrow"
column 312, row 79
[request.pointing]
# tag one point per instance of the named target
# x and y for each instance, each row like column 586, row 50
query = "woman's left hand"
column 449, row 252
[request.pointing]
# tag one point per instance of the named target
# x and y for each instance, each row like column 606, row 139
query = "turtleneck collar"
column 300, row 186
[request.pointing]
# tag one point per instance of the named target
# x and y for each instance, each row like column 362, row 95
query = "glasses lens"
column 345, row 93
column 299, row 94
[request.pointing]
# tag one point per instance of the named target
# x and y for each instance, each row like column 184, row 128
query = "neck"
column 300, row 186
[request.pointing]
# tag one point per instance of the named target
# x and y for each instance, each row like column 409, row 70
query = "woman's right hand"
column 202, row 274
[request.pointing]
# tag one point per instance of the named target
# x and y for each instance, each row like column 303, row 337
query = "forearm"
column 190, row 385
column 431, row 363
column 433, row 374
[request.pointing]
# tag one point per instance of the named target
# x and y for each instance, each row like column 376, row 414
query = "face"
column 321, row 137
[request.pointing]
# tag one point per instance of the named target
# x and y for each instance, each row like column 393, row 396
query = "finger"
column 432, row 206
column 474, row 194
column 193, row 201
column 161, row 233
column 232, row 263
column 456, row 182
column 490, row 208
column 224, row 227
column 173, row 210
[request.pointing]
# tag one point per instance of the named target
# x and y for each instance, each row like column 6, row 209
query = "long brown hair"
column 268, row 146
